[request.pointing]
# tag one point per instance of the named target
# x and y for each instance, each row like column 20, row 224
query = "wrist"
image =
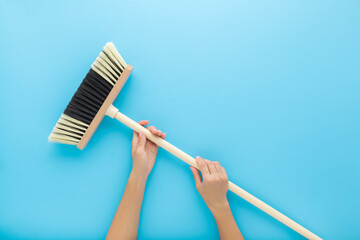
column 138, row 175
column 220, row 208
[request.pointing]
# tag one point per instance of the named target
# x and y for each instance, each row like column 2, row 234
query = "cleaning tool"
column 93, row 100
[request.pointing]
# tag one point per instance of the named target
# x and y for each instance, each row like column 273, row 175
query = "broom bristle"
column 86, row 102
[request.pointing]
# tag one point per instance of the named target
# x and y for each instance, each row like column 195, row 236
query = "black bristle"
column 88, row 98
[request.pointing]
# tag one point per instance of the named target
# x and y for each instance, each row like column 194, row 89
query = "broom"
column 93, row 100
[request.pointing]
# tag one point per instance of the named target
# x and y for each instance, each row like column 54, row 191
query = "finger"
column 224, row 172
column 141, row 141
column 196, row 175
column 217, row 167
column 144, row 122
column 135, row 139
column 163, row 135
column 202, row 166
column 159, row 133
column 152, row 129
column 211, row 167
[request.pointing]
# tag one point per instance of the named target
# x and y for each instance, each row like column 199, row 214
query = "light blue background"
column 268, row 88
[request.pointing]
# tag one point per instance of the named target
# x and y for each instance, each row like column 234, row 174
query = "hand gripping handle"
column 113, row 112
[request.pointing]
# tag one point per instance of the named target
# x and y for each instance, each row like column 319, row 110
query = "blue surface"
column 268, row 88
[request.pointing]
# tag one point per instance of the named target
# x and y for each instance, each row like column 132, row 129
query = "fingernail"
column 141, row 134
column 197, row 157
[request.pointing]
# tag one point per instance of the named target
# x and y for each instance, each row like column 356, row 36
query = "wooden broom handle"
column 113, row 112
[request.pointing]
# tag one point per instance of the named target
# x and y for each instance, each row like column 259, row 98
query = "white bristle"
column 97, row 67
column 117, row 54
column 109, row 65
column 68, row 130
column 113, row 55
column 107, row 60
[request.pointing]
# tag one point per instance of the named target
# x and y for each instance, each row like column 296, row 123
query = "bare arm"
column 126, row 221
column 213, row 188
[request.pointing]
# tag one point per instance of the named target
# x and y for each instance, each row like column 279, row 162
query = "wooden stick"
column 114, row 112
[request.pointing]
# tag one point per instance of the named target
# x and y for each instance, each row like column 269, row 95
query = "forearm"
column 228, row 229
column 126, row 221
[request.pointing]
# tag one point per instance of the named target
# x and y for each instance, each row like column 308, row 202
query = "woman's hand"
column 144, row 151
column 214, row 186
column 126, row 221
column 213, row 189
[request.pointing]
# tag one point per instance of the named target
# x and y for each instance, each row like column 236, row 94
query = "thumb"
column 141, row 141
column 197, row 177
